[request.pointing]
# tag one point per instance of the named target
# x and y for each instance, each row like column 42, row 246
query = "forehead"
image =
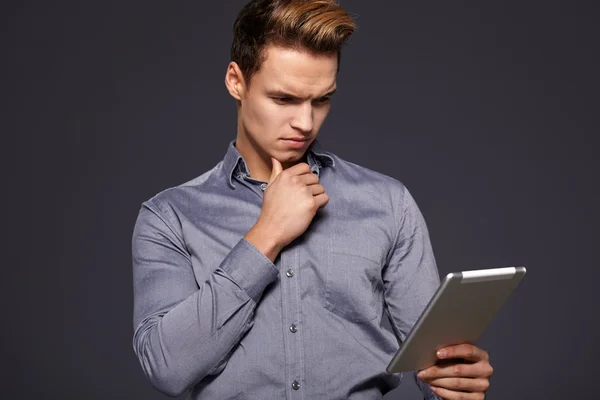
column 297, row 71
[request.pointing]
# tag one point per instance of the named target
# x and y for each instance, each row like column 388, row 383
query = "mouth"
column 295, row 142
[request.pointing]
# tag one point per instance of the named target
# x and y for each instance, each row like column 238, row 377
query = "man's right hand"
column 290, row 202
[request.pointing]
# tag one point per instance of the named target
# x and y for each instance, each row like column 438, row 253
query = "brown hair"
column 319, row 26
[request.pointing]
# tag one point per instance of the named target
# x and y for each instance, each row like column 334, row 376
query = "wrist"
column 266, row 243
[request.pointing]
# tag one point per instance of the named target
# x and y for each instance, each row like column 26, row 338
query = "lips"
column 295, row 143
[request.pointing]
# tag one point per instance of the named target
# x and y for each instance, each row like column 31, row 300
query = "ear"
column 234, row 81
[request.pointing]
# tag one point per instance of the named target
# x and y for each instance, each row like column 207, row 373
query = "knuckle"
column 432, row 372
column 470, row 351
column 457, row 370
column 305, row 193
column 455, row 383
column 308, row 206
column 490, row 370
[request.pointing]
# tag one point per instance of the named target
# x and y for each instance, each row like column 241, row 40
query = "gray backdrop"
column 487, row 111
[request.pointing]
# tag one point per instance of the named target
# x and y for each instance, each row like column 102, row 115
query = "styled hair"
column 318, row 26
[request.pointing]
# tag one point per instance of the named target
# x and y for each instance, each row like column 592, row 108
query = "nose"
column 303, row 118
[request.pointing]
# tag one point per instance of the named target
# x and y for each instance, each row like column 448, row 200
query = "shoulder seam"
column 164, row 215
column 400, row 215
column 201, row 178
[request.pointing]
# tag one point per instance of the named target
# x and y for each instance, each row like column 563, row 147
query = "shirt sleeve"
column 183, row 331
column 410, row 277
column 425, row 390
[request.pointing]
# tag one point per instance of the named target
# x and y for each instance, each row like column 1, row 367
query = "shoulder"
column 172, row 200
column 368, row 180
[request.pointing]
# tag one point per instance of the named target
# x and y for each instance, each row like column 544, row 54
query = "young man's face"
column 289, row 98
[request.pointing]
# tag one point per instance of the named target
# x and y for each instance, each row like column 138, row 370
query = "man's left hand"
column 462, row 372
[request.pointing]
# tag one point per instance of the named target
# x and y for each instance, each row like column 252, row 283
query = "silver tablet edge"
column 493, row 274
column 472, row 276
column 446, row 281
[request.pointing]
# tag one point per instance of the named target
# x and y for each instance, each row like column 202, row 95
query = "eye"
column 324, row 100
column 282, row 100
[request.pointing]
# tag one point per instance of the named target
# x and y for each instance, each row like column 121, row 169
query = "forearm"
column 184, row 332
column 411, row 276
column 194, row 339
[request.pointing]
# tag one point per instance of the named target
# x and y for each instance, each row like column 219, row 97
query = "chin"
column 294, row 159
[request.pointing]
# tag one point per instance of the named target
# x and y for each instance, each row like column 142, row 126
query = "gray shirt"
column 216, row 318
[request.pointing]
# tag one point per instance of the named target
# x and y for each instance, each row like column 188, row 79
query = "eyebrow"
column 282, row 93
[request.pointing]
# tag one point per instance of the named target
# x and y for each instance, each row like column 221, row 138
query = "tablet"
column 459, row 311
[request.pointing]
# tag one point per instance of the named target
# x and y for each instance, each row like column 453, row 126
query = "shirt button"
column 295, row 385
column 293, row 328
column 289, row 273
column 263, row 186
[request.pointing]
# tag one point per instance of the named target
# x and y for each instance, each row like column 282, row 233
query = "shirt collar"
column 234, row 164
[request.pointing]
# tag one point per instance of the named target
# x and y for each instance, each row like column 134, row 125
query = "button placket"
column 292, row 316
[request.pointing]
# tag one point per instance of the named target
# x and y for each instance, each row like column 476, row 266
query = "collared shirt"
column 215, row 318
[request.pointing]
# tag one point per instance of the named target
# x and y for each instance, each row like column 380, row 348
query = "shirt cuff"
column 250, row 268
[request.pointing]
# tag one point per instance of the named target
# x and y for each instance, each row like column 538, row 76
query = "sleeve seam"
column 398, row 222
column 161, row 213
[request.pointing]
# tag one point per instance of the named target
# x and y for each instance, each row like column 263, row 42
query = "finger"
column 468, row 352
column 275, row 171
column 462, row 384
column 452, row 395
column 308, row 179
column 316, row 189
column 322, row 200
column 453, row 370
column 299, row 169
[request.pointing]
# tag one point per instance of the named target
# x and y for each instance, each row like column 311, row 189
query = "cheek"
column 265, row 116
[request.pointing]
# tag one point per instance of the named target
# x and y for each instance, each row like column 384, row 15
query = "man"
column 269, row 276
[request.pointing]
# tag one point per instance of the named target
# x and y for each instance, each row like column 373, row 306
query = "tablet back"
column 459, row 311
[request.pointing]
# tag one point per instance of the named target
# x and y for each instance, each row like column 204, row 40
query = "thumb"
column 277, row 168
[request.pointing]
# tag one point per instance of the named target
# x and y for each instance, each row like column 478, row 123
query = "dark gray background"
column 487, row 112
